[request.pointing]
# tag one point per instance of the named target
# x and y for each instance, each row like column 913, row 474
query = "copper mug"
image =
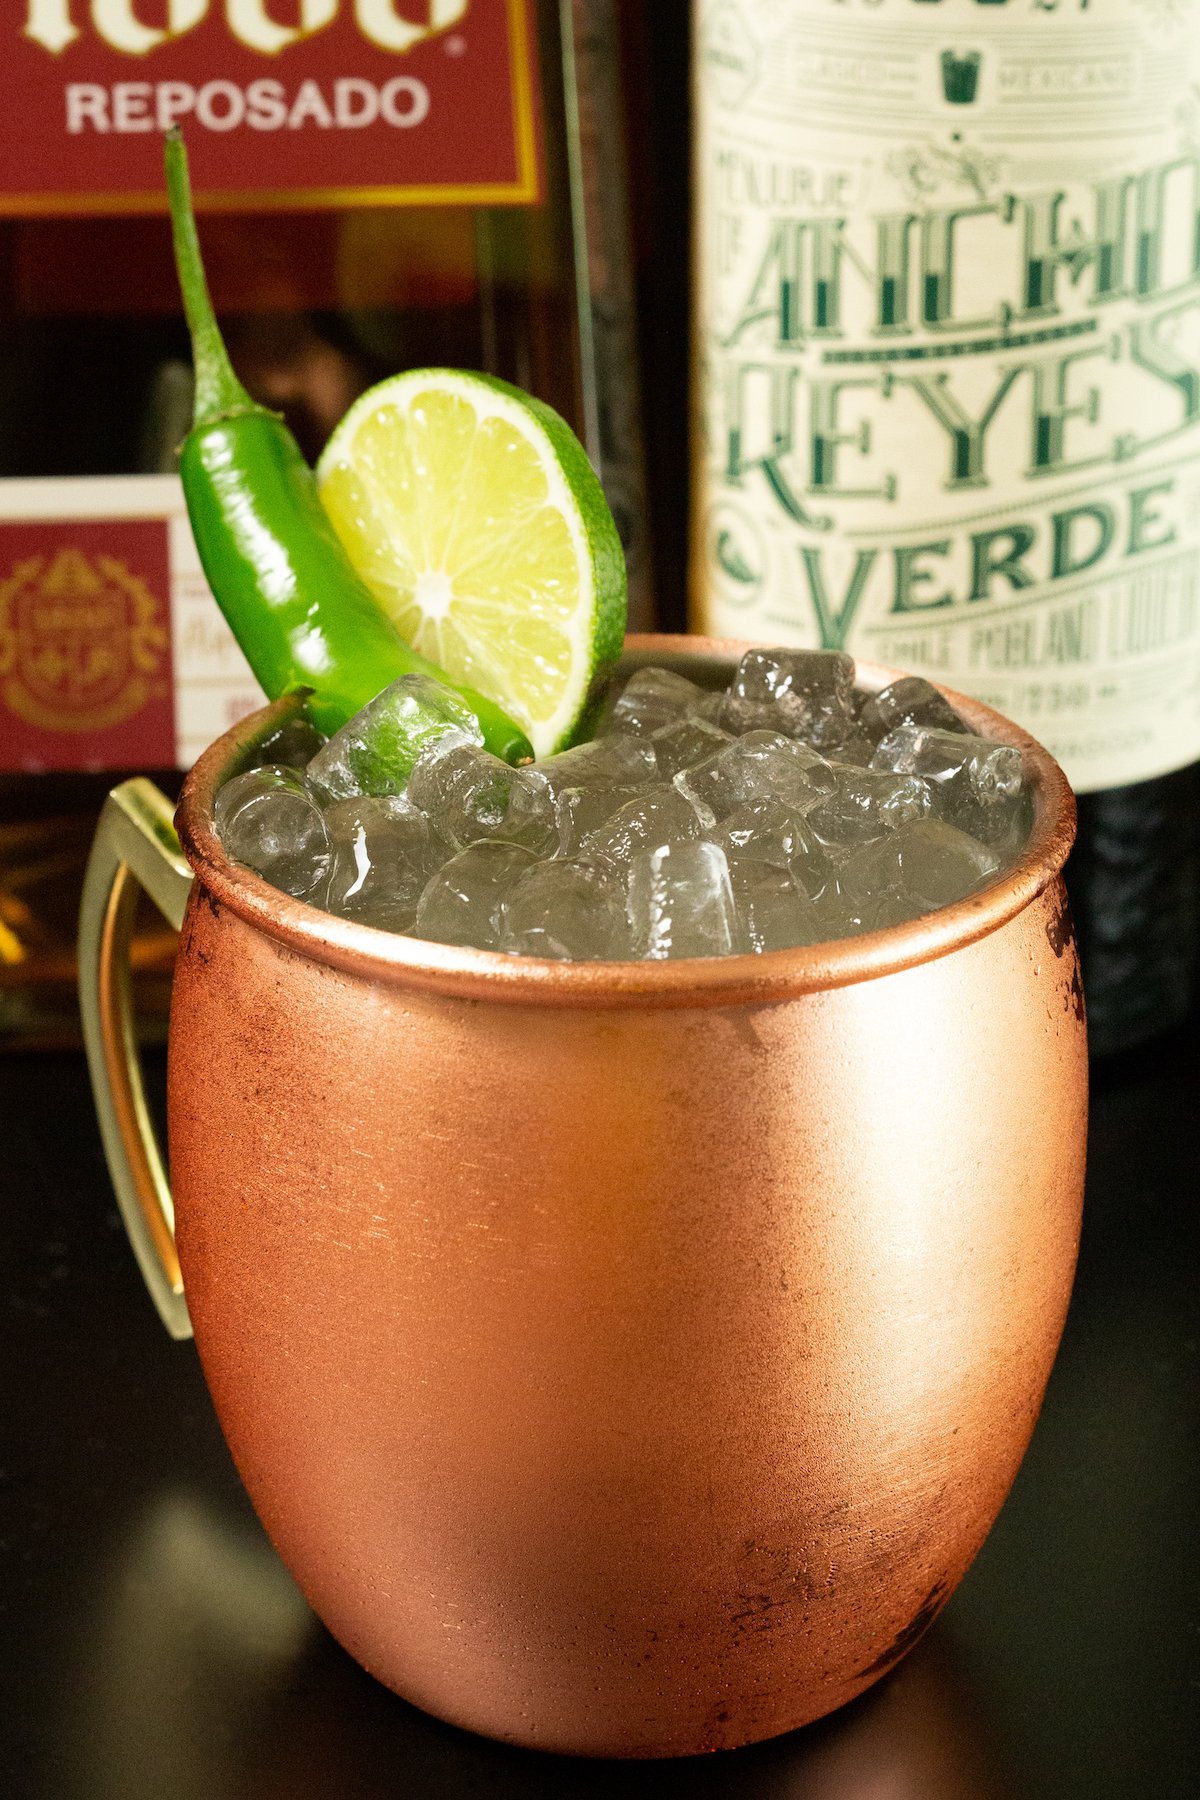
column 625, row 1359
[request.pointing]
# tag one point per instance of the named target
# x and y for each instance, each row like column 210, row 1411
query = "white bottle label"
column 113, row 653
column 949, row 327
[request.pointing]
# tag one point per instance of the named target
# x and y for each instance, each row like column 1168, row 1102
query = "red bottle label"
column 85, row 645
column 284, row 103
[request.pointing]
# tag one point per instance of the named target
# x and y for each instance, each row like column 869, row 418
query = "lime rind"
column 497, row 641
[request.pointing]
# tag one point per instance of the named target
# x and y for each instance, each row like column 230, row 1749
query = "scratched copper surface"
column 628, row 1359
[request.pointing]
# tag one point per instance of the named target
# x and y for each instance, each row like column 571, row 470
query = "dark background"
column 656, row 51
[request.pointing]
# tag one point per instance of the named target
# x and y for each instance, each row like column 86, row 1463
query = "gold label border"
column 525, row 190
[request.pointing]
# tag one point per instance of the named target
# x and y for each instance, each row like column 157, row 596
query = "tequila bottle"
column 383, row 183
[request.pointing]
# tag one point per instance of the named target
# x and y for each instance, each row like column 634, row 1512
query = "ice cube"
column 583, row 810
column 928, row 862
column 865, row 804
column 463, row 902
column 268, row 820
column 292, row 744
column 773, row 912
column 617, row 761
column 856, row 747
column 709, row 706
column 842, row 915
column 976, row 783
column 685, row 742
column 374, row 752
column 383, row 854
column 468, row 794
column 568, row 910
column 761, row 765
column 766, row 830
column 769, row 831
column 591, row 782
column 681, row 902
column 892, row 907
column 659, row 816
column 909, row 701
column 652, row 698
column 588, row 783
column 805, row 694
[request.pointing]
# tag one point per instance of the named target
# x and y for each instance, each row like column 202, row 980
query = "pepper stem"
column 218, row 389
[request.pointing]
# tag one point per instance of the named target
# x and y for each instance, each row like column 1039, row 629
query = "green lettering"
column 774, row 292
column 1155, row 188
column 1143, row 517
column 1054, row 405
column 828, row 437
column 965, row 433
column 758, row 403
column 1000, row 552
column 892, row 276
column 1049, row 248
column 1148, row 351
column 834, row 622
column 1067, row 558
column 910, row 575
column 938, row 260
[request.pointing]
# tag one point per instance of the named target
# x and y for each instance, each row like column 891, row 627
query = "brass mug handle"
column 135, row 844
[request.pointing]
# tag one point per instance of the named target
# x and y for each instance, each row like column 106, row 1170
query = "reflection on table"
column 202, row 1673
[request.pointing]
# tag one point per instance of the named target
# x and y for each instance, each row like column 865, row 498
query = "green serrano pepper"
column 301, row 613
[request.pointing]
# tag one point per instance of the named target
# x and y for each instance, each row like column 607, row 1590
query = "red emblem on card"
column 85, row 646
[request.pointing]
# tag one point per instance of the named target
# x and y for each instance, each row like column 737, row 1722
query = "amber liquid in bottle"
column 316, row 305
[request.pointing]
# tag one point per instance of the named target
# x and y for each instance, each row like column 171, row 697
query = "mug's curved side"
column 623, row 1380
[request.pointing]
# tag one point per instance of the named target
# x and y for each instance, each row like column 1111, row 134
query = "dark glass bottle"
column 1134, row 879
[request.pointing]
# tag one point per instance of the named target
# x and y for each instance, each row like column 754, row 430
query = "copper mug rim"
column 745, row 979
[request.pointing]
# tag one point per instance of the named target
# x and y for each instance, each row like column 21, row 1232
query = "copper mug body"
column 630, row 1359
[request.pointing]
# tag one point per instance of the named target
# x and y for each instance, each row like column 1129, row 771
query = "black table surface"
column 152, row 1647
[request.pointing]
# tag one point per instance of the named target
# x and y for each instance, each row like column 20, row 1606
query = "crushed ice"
column 788, row 808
